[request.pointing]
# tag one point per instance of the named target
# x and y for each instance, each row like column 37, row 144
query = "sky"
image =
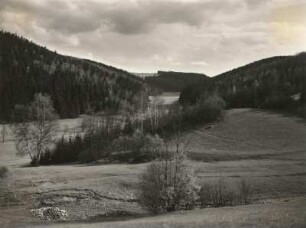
column 204, row 36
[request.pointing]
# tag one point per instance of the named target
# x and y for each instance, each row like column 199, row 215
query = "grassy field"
column 266, row 148
column 283, row 213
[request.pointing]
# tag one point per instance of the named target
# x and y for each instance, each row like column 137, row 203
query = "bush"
column 245, row 190
column 169, row 184
column 277, row 102
column 301, row 111
column 220, row 193
column 217, row 194
column 65, row 151
column 96, row 143
column 3, row 171
column 206, row 110
column 137, row 147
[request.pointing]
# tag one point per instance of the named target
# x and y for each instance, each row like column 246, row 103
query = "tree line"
column 277, row 83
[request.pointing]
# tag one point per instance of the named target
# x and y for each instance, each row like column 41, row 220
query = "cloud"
column 128, row 17
column 199, row 63
column 208, row 36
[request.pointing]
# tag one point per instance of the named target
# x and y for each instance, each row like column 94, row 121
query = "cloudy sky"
column 207, row 36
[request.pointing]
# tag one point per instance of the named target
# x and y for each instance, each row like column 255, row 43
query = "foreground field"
column 268, row 149
column 281, row 213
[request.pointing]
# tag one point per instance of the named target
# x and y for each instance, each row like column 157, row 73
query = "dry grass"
column 250, row 134
column 285, row 213
column 266, row 148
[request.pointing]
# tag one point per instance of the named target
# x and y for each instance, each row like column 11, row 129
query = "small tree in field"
column 169, row 183
column 36, row 127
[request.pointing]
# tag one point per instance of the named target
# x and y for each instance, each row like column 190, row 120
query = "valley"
column 211, row 134
column 266, row 148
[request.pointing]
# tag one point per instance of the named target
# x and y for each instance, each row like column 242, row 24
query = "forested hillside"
column 174, row 81
column 273, row 83
column 75, row 85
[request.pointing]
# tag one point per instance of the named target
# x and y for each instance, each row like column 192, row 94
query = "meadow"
column 266, row 148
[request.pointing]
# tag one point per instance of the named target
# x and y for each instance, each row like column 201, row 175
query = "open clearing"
column 266, row 148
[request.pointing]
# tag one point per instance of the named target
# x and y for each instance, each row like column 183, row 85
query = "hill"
column 174, row 81
column 269, row 83
column 75, row 85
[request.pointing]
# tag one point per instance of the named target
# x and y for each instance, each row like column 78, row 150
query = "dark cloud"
column 130, row 17
column 143, row 16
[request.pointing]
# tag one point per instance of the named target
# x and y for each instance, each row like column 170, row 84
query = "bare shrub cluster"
column 220, row 193
column 3, row 171
column 217, row 194
column 245, row 190
column 169, row 183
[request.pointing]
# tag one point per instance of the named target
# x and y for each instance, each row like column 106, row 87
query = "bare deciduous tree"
column 37, row 128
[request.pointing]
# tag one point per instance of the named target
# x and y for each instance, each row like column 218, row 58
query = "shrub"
column 3, row 171
column 277, row 102
column 301, row 111
column 206, row 110
column 65, row 151
column 96, row 143
column 245, row 190
column 169, row 184
column 218, row 193
column 137, row 147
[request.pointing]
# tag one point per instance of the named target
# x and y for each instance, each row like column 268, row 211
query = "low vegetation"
column 121, row 139
column 169, row 183
column 245, row 190
column 220, row 193
column 206, row 110
column 217, row 193
column 3, row 171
